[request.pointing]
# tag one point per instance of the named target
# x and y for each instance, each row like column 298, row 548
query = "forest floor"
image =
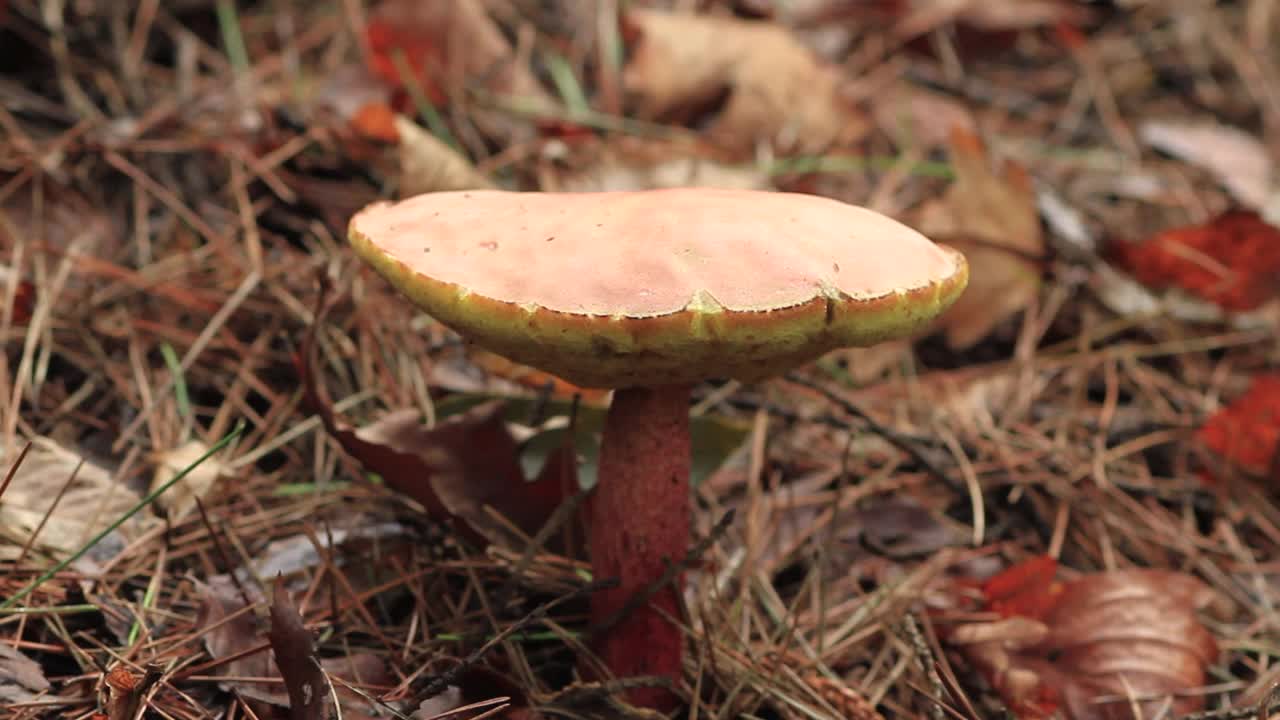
column 220, row 433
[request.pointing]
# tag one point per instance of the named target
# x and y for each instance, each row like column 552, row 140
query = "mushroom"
column 647, row 293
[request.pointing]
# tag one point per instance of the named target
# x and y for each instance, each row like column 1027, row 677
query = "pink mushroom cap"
column 659, row 287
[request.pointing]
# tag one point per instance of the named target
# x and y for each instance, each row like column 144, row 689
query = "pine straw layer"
column 202, row 211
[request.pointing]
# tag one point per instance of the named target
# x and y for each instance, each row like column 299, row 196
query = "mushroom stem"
column 639, row 516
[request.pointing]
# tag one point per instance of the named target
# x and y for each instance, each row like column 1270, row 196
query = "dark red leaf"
column 242, row 640
column 1026, row 589
column 462, row 470
column 1232, row 260
column 24, row 303
column 1247, row 432
column 310, row 697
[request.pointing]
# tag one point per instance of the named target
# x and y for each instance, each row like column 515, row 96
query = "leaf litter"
column 183, row 177
column 990, row 215
column 1096, row 646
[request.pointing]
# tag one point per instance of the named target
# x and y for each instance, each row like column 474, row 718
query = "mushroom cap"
column 659, row 287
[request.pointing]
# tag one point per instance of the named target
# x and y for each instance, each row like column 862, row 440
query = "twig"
column 13, row 469
column 924, row 656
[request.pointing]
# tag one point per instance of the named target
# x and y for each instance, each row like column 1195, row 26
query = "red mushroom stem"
column 639, row 516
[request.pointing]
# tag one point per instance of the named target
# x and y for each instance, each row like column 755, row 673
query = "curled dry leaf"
column 1247, row 431
column 992, row 218
column 310, row 695
column 244, row 641
column 463, row 471
column 763, row 83
column 463, row 468
column 1232, row 261
column 1087, row 646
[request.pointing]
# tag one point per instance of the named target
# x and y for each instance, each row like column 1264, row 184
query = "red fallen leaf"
column 1027, row 589
column 376, row 121
column 422, row 55
column 1247, row 432
column 1107, row 637
column 24, row 303
column 458, row 469
column 564, row 130
column 1232, row 260
column 1070, row 36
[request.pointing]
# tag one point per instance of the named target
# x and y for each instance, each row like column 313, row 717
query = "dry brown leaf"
column 1086, row 646
column 1239, row 161
column 465, row 471
column 447, row 44
column 181, row 498
column 469, row 465
column 773, row 88
column 427, row 164
column 91, row 502
column 992, row 218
